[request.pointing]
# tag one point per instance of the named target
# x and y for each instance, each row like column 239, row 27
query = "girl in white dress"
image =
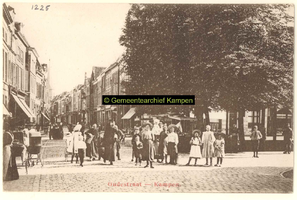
column 195, row 143
column 219, row 150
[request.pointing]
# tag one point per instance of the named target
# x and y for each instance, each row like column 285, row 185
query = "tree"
column 232, row 57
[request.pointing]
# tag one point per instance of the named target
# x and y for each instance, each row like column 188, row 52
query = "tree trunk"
column 273, row 122
column 206, row 112
column 199, row 115
column 241, row 129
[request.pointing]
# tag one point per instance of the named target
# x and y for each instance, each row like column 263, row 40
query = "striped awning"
column 129, row 114
column 5, row 111
column 21, row 102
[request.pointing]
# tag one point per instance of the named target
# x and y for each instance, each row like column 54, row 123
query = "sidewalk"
column 240, row 173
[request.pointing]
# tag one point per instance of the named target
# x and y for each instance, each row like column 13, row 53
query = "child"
column 195, row 147
column 81, row 145
column 135, row 134
column 138, row 149
column 219, row 150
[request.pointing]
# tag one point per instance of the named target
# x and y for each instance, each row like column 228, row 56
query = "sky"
column 72, row 38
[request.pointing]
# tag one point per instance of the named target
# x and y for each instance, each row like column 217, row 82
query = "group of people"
column 156, row 141
column 159, row 141
column 94, row 143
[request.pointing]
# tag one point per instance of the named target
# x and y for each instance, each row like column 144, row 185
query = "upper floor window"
column 21, row 55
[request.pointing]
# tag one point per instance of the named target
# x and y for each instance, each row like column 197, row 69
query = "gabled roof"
column 96, row 71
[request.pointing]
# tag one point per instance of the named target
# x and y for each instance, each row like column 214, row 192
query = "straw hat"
column 147, row 123
column 196, row 131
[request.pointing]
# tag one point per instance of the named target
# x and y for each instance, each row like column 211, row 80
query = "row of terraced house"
column 84, row 102
column 26, row 81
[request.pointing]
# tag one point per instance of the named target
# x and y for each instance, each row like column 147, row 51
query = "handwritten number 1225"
column 41, row 7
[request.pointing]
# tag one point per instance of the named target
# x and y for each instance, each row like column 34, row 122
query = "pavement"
column 240, row 173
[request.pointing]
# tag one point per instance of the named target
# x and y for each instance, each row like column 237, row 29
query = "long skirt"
column 208, row 150
column 148, row 150
column 10, row 170
column 91, row 150
column 159, row 150
column 109, row 153
column 172, row 152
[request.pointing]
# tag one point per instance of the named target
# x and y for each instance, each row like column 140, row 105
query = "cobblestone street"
column 240, row 173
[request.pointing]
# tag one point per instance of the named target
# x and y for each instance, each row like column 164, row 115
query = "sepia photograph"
column 148, row 97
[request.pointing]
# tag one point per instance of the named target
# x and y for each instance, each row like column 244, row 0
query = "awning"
column 23, row 106
column 44, row 115
column 5, row 111
column 182, row 118
column 129, row 114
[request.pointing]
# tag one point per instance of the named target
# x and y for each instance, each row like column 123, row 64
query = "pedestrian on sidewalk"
column 148, row 144
column 91, row 140
column 119, row 135
column 81, row 146
column 10, row 170
column 163, row 144
column 208, row 139
column 219, row 150
column 288, row 138
column 76, row 133
column 156, row 130
column 109, row 143
column 138, row 150
column 256, row 137
column 100, row 145
column 172, row 141
column 136, row 133
column 195, row 143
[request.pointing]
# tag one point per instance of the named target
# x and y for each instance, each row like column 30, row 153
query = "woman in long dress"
column 10, row 170
column 208, row 139
column 109, row 143
column 156, row 130
column 148, row 144
column 163, row 145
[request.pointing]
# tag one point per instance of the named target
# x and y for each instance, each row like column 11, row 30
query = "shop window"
column 253, row 118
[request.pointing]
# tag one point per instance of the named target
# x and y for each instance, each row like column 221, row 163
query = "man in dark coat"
column 288, row 138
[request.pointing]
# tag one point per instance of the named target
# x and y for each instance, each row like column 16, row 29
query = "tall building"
column 24, row 78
